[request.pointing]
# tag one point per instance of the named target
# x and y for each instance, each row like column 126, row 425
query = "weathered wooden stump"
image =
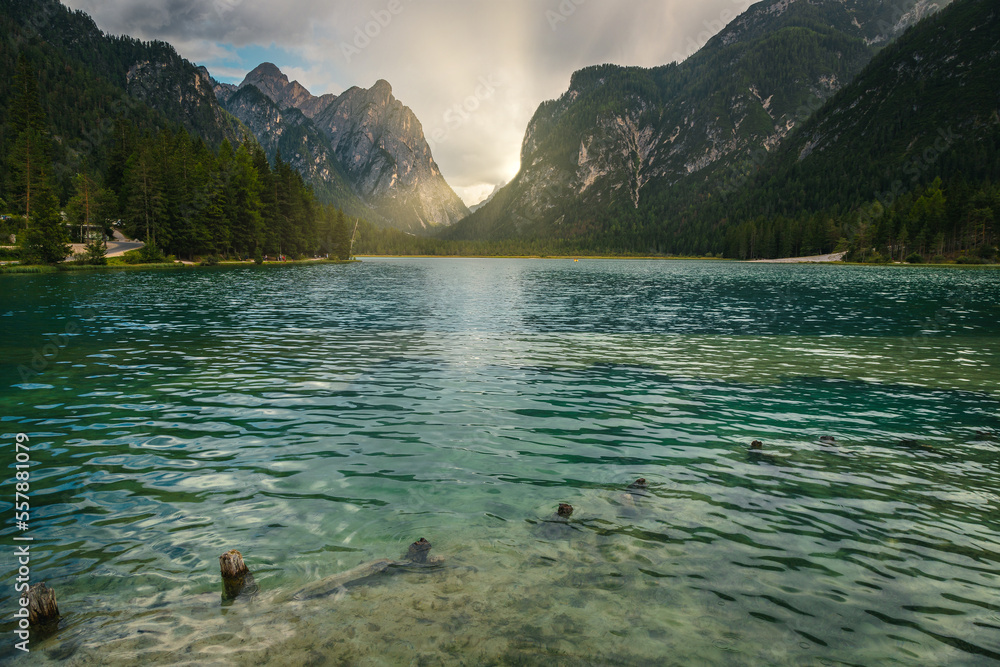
column 236, row 577
column 232, row 565
column 42, row 607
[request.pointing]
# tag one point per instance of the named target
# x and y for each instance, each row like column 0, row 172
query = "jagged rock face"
column 620, row 136
column 306, row 152
column 375, row 141
column 380, row 144
column 223, row 91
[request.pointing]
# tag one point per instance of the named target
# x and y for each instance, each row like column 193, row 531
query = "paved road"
column 115, row 248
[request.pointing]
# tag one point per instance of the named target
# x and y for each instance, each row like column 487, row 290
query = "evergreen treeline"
column 956, row 220
column 175, row 193
column 77, row 140
column 169, row 189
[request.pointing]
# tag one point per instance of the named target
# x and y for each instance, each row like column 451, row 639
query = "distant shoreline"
column 34, row 269
column 574, row 257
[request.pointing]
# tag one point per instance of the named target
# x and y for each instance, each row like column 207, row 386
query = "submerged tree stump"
column 417, row 553
column 42, row 607
column 236, row 577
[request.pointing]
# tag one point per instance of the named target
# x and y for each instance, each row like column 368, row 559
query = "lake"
column 318, row 417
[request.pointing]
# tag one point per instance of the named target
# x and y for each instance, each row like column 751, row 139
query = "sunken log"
column 42, row 607
column 416, row 554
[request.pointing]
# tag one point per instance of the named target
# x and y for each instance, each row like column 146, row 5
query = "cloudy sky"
column 473, row 71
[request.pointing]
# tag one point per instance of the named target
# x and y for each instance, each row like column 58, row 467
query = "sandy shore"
column 814, row 259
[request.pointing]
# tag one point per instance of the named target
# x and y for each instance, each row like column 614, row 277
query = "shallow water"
column 316, row 417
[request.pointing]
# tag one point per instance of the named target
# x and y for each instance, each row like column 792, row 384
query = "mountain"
column 906, row 158
column 489, row 198
column 88, row 81
column 927, row 106
column 288, row 132
column 627, row 154
column 114, row 132
column 366, row 139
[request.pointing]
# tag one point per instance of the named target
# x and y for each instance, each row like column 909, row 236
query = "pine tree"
column 47, row 239
column 29, row 158
column 341, row 238
column 244, row 187
column 144, row 200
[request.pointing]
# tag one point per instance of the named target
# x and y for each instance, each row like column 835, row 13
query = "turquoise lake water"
column 318, row 417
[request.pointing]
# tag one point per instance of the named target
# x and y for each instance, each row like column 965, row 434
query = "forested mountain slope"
column 926, row 108
column 625, row 158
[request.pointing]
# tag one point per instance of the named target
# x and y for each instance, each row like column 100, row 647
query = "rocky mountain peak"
column 375, row 141
column 381, row 89
column 266, row 71
column 275, row 84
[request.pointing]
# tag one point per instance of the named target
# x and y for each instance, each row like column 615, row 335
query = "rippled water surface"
column 319, row 417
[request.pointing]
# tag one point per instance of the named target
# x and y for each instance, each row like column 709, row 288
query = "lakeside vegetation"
column 169, row 189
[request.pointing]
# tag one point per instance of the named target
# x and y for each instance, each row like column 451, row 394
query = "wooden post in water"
column 42, row 604
column 236, row 577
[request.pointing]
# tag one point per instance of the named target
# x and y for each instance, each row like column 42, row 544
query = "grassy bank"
column 63, row 268
column 122, row 266
column 294, row 262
